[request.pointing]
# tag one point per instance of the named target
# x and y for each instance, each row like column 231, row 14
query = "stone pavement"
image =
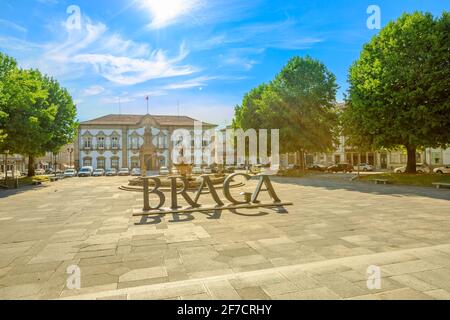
column 320, row 249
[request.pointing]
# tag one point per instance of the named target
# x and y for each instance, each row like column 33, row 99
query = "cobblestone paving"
column 320, row 249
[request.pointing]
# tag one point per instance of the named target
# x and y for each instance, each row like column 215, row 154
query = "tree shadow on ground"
column 366, row 187
column 5, row 193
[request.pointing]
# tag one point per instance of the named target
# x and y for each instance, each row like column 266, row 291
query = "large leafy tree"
column 398, row 93
column 7, row 65
column 37, row 115
column 64, row 124
column 300, row 101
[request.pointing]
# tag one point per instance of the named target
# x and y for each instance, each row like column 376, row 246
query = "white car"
column 207, row 170
column 364, row 167
column 70, row 173
column 124, row 172
column 86, row 171
column 164, row 171
column 420, row 168
column 39, row 172
column 98, row 173
column 197, row 170
column 135, row 172
column 442, row 170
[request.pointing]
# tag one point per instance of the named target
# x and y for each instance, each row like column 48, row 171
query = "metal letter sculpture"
column 250, row 200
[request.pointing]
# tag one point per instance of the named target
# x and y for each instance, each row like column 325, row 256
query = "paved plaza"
column 319, row 249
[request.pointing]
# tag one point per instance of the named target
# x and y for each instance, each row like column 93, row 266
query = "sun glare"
column 165, row 12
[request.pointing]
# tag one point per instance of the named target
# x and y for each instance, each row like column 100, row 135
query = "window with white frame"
column 87, row 142
column 114, row 142
column 101, row 142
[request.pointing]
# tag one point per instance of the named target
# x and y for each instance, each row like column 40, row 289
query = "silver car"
column 420, row 168
column 442, row 170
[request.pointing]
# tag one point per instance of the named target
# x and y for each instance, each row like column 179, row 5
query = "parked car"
column 317, row 167
column 9, row 174
column 98, row 173
column 136, row 172
column 341, row 167
column 39, row 172
column 164, row 171
column 240, row 166
column 86, row 171
column 207, row 170
column 70, row 173
column 364, row 167
column 124, row 172
column 442, row 170
column 111, row 172
column 420, row 168
column 197, row 170
column 229, row 169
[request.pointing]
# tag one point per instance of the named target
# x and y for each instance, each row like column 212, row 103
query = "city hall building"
column 126, row 141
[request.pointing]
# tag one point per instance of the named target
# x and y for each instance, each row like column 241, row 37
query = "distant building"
column 116, row 141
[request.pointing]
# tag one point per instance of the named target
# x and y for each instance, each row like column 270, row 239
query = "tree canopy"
column 300, row 101
column 37, row 115
column 398, row 93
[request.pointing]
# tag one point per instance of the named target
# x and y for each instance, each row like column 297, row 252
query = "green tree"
column 37, row 115
column 7, row 65
column 64, row 124
column 300, row 101
column 398, row 93
column 29, row 116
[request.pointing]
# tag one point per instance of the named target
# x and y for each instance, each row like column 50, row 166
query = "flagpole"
column 147, row 103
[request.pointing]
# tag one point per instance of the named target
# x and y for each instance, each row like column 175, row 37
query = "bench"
column 381, row 181
column 441, row 184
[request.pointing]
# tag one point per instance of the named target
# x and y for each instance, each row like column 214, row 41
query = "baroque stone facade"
column 118, row 141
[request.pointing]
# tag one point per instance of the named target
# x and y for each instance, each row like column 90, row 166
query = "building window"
column 87, row 142
column 134, row 163
column 134, row 142
column 115, row 163
column 101, row 142
column 115, row 142
column 436, row 157
column 87, row 162
column 100, row 163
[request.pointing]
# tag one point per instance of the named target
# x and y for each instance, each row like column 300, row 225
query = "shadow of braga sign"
column 221, row 147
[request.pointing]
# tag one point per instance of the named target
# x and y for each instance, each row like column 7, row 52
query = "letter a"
column 74, row 20
column 374, row 21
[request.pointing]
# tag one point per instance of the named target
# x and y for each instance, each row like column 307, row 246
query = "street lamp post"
column 70, row 151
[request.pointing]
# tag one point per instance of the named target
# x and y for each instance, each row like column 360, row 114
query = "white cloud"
column 167, row 12
column 12, row 25
column 93, row 91
column 121, row 61
column 190, row 83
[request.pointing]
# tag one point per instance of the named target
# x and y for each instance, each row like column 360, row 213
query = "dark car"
column 317, row 167
column 341, row 167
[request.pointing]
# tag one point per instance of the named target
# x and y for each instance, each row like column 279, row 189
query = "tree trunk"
column 31, row 166
column 5, row 169
column 302, row 160
column 411, row 165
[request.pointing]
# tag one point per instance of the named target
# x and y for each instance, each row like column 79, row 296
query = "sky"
column 191, row 57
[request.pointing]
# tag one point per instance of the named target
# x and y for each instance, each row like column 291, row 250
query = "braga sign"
column 246, row 200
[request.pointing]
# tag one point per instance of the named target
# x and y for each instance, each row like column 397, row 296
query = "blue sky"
column 202, row 55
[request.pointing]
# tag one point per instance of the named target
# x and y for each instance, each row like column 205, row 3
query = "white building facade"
column 116, row 141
